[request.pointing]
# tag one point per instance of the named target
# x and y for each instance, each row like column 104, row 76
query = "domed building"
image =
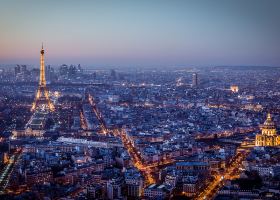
column 268, row 136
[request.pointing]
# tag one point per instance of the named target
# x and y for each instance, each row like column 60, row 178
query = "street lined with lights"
column 6, row 172
column 231, row 172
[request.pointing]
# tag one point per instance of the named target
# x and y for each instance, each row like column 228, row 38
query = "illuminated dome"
column 268, row 136
column 268, row 122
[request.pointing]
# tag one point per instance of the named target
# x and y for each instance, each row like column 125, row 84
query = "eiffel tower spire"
column 42, row 68
column 42, row 95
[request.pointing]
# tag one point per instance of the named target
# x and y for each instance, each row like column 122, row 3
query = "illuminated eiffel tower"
column 42, row 99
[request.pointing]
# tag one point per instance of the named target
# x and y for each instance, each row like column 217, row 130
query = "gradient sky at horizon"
column 141, row 33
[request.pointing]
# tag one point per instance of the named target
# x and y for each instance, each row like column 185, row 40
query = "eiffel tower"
column 42, row 99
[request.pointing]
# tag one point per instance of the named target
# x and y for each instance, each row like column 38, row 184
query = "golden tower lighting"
column 42, row 95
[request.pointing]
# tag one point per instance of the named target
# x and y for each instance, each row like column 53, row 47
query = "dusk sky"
column 141, row 33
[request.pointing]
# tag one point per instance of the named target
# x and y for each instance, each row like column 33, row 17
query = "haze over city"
column 139, row 100
column 141, row 33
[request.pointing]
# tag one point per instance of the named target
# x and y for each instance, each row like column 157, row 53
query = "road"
column 6, row 172
column 231, row 172
column 228, row 133
column 146, row 169
column 136, row 159
column 84, row 125
column 98, row 114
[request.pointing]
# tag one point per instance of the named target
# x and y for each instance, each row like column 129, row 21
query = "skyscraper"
column 194, row 80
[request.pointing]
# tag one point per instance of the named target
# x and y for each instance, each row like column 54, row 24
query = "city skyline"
column 141, row 34
column 139, row 100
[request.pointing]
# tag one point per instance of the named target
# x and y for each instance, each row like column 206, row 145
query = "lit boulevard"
column 231, row 172
column 84, row 125
column 98, row 114
column 227, row 133
column 6, row 172
column 146, row 169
